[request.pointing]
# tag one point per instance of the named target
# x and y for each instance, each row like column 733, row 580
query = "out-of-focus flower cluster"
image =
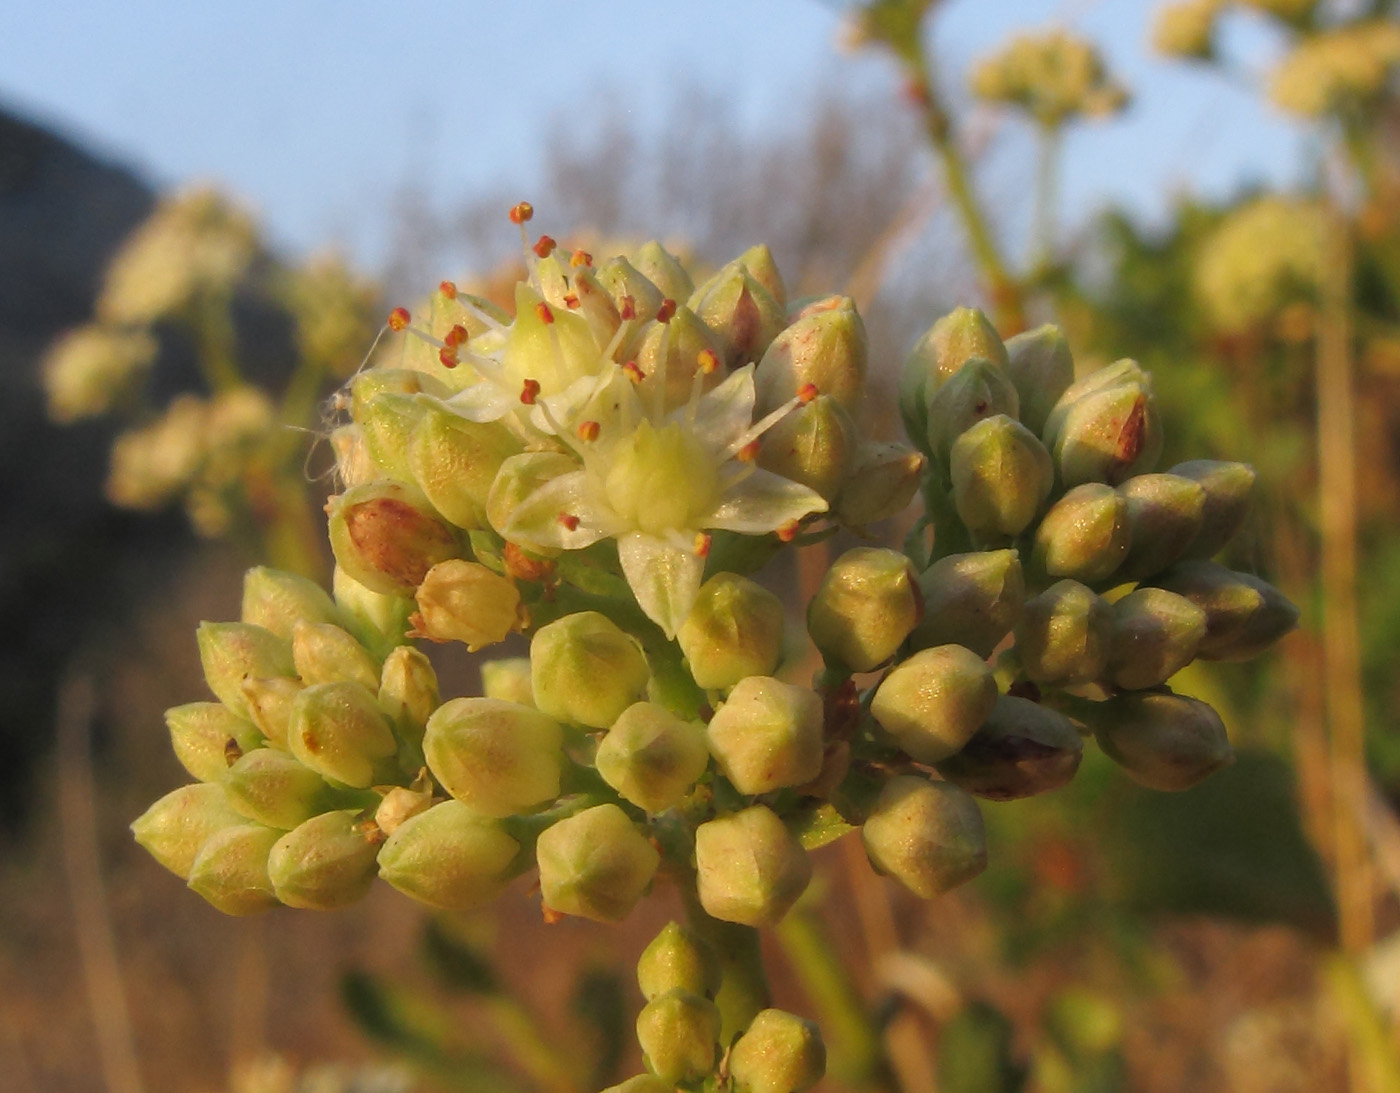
column 1053, row 76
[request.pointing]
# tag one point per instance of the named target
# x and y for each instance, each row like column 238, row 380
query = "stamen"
column 458, row 335
column 749, row 452
column 757, row 430
column 702, row 545
column 542, row 310
column 522, row 212
column 588, row 430
column 618, row 335
column 627, row 308
column 399, row 318
column 667, row 311
column 447, row 357
column 788, row 532
column 807, row 392
column 708, row 361
column 634, row 372
column 568, row 521
column 581, row 258
column 448, row 289
column 530, row 392
column 658, row 375
column 544, row 246
column 706, row 364
column 571, row 301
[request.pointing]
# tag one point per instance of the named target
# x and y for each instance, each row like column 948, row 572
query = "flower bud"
column 1023, row 749
column 813, row 445
column 826, row 346
column 978, row 390
column 174, row 828
column 1228, row 487
column 387, row 421
column 678, row 958
column 448, row 857
column 683, row 339
column 971, row 600
column 338, row 730
column 586, row 670
column 652, row 757
column 464, row 601
column 378, row 619
column 778, row 1053
column 408, row 691
column 270, row 706
column 495, row 757
column 508, row 678
column 230, row 652
column 1085, row 535
column 734, row 630
column 277, row 601
column 1109, row 435
column 933, row 702
column 1165, row 513
column 951, row 342
column 595, row 864
column 1244, row 615
column 664, row 270
column 767, row 735
column 750, row 867
column 1039, row 364
column 1064, row 635
column 881, row 482
column 679, row 1035
column 519, row 477
column 927, row 835
column 740, row 312
column 1155, row 634
column 1001, row 476
column 553, row 352
column 324, row 653
column 230, row 870
column 454, row 462
column 275, row 790
column 386, row 536
column 865, row 607
column 325, row 863
column 402, row 803
column 1164, row 741
column 759, row 261
column 642, row 1083
column 621, row 278
column 204, row 734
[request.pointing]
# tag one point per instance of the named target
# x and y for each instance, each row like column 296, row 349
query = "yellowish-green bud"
column 750, row 867
column 1164, row 741
column 339, row 731
column 586, row 670
column 652, row 757
column 519, row 477
column 1244, row 615
column 1064, row 635
column 464, row 601
column 778, row 1053
column 496, row 757
column 1228, row 488
column 274, row 789
column 740, row 312
column 865, row 607
column 454, row 462
column 1023, row 749
column 826, row 345
column 1001, row 476
column 1165, row 512
column 678, row 958
column 1085, row 535
column 230, row 870
column 971, row 599
column 759, row 261
column 325, row 863
column 448, row 857
column 385, row 406
column 679, row 1035
column 933, row 702
column 734, row 630
column 595, row 864
column 270, row 706
column 642, row 1083
column 408, row 690
column 1039, row 364
column 664, row 270
column 1155, row 634
column 1186, row 28
column 205, row 734
column 231, row 652
column 277, row 601
column 1109, row 435
column 767, row 735
column 621, row 278
column 508, row 678
column 950, row 343
column 927, row 835
column 174, row 828
column 881, row 482
column 813, row 445
column 378, row 619
column 386, row 536
column 978, row 390
column 683, row 339
column 325, row 653
column 95, row 368
column 553, row 353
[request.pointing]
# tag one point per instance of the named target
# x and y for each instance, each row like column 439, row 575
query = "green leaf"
column 975, row 1053
column 818, row 825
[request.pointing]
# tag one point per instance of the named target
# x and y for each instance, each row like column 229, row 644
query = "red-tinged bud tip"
column 748, row 453
column 702, row 545
column 634, row 371
column 399, row 318
column 447, row 357
column 546, row 315
column 788, row 532
column 448, row 289
column 627, row 308
column 529, row 392
column 807, row 392
column 571, row 301
column 568, row 521
column 667, row 311
column 521, row 213
column 580, row 258
column 544, row 246
column 588, row 430
column 708, row 361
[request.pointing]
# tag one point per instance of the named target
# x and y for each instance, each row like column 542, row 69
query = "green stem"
column 538, row 1057
column 1370, row 1038
column 1046, row 193
column 217, row 341
column 744, row 991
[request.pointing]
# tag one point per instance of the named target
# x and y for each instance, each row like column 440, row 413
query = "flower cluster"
column 1055, row 77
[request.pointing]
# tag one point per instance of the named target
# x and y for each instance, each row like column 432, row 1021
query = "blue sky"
column 315, row 113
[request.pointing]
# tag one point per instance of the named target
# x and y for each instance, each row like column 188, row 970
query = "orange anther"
column 588, row 430
column 788, row 532
column 544, row 246
column 456, row 336
column 580, row 258
column 627, row 307
column 399, row 318
column 571, row 301
column 807, row 392
column 448, row 289
column 708, row 361
column 521, row 213
column 666, row 312
column 568, row 521
column 546, row 316
column 530, row 392
column 447, row 357
column 634, row 372
column 748, row 453
column 702, row 545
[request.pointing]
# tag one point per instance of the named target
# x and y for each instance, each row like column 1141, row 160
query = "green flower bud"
column 750, row 868
column 495, row 757
column 652, row 757
column 813, row 445
column 767, row 735
column 826, row 345
column 1165, row 513
column 1108, row 434
column 233, row 651
column 1155, row 634
column 881, row 482
column 642, row 1083
column 448, row 857
column 621, row 278
column 683, row 339
column 454, row 462
column 378, row 619
column 595, row 864
column 338, row 730
column 553, row 353
column 1228, row 487
column 464, row 601
column 205, row 734
column 664, row 270
column 933, row 702
column 270, row 706
column 408, row 691
column 865, row 607
column 519, row 477
column 1164, row 741
column 275, row 790
column 174, row 828
column 508, row 678
column 325, row 863
column 324, row 653
column 586, row 670
column 679, row 1035
column 778, row 1053
column 1064, row 635
column 385, row 406
column 230, row 870
column 927, row 835
column 592, row 301
column 1001, row 476
column 678, row 958
column 277, row 601
column 971, row 599
column 386, row 536
column 978, row 390
column 950, row 343
column 402, row 803
column 1040, row 365
column 1085, row 535
column 1244, row 615
column 1023, row 749
column 734, row 630
column 759, row 261
column 740, row 312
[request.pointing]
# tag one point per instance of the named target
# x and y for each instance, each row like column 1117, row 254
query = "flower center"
column 662, row 479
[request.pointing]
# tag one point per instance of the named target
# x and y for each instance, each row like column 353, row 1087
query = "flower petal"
column 723, row 414
column 762, row 502
column 484, row 401
column 546, row 518
column 664, row 578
